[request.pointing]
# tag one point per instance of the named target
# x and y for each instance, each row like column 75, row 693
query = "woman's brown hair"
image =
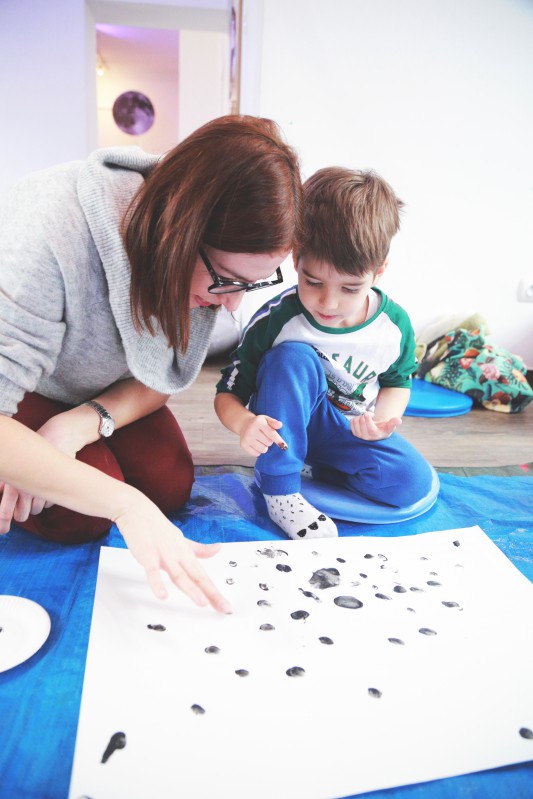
column 233, row 184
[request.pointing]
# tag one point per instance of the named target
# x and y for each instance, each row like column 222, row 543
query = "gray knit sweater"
column 65, row 323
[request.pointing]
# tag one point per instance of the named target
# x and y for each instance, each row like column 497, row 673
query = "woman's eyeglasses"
column 222, row 285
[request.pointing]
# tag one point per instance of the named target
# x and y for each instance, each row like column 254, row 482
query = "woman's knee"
column 154, row 457
column 65, row 526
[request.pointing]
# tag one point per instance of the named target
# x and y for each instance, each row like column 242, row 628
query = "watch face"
column 106, row 428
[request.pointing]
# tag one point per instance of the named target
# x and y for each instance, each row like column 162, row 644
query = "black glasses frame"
column 223, row 285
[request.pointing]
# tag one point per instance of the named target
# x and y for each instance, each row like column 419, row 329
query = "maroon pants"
column 150, row 454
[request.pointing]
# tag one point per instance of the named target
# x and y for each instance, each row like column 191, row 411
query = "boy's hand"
column 366, row 428
column 258, row 433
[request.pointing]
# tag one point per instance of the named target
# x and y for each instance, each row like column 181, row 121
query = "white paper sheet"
column 430, row 677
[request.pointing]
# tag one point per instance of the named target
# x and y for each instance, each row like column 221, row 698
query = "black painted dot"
column 263, row 586
column 457, row 543
column 341, row 560
column 230, row 581
column 267, row 627
column 427, row 631
column 299, row 614
column 451, row 604
column 325, row 578
column 399, row 589
column 212, row 650
column 198, row 710
column 242, row 672
column 295, row 671
column 325, row 640
column 117, row 741
column 423, row 558
column 368, row 556
column 233, row 563
column 411, row 610
column 270, row 552
column 375, row 692
column 282, row 567
column 160, row 628
column 310, row 595
column 264, row 603
column 364, row 576
column 433, row 583
column 348, row 602
column 414, row 588
column 433, row 574
column 525, row 732
column 397, row 641
column 382, row 557
column 382, row 596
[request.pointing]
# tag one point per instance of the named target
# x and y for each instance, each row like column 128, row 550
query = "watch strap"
column 106, row 420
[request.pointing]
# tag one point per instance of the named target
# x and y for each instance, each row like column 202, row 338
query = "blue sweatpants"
column 291, row 387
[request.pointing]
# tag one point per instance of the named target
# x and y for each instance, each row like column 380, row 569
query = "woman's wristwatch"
column 107, row 423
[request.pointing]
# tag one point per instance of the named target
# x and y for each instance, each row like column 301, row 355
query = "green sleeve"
column 399, row 373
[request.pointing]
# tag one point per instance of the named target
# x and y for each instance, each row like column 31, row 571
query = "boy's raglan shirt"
column 357, row 361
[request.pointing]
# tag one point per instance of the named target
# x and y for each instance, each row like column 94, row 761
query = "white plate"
column 25, row 626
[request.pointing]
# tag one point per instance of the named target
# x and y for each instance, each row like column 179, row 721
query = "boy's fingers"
column 274, row 423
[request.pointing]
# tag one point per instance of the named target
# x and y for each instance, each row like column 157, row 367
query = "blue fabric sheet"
column 40, row 699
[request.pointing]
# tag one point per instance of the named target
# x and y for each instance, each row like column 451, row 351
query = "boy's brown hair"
column 350, row 218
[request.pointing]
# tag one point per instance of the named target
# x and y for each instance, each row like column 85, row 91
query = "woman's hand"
column 366, row 428
column 258, row 433
column 160, row 546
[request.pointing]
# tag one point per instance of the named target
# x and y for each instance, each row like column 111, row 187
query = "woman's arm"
column 126, row 401
column 70, row 431
column 31, row 464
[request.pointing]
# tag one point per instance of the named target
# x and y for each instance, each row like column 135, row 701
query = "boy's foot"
column 297, row 518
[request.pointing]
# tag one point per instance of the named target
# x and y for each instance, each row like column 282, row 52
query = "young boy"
column 330, row 362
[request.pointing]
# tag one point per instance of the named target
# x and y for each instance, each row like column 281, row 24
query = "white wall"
column 48, row 80
column 44, row 85
column 437, row 96
column 202, row 56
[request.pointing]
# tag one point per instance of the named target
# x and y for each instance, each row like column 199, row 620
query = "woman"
column 112, row 272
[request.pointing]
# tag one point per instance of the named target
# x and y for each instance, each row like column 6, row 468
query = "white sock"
column 297, row 518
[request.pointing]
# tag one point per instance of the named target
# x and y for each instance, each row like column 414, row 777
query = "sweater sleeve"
column 31, row 296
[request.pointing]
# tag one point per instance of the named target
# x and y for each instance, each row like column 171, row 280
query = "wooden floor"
column 479, row 438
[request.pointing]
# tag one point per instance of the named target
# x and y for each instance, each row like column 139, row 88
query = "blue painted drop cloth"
column 40, row 699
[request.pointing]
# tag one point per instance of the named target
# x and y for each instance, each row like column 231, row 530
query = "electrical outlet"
column 525, row 290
